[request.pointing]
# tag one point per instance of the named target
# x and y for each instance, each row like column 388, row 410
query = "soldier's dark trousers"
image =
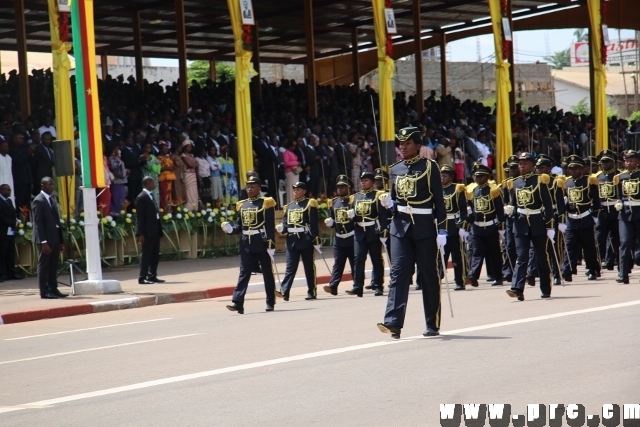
column 486, row 247
column 340, row 256
column 452, row 248
column 247, row 261
column 532, row 269
column 293, row 259
column 405, row 253
column 629, row 232
column 523, row 244
column 374, row 249
column 581, row 240
column 607, row 232
column 509, row 251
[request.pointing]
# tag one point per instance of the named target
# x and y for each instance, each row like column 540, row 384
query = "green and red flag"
column 84, row 51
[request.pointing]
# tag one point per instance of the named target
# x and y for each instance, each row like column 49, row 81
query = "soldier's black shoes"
column 378, row 292
column 418, row 287
column 368, row 287
column 609, row 268
column 390, row 329
column 430, row 333
column 236, row 307
column 330, row 290
column 279, row 294
column 545, row 296
column 591, row 276
column 471, row 281
column 567, row 278
column 459, row 288
column 496, row 283
column 286, row 297
column 354, row 291
column 309, row 297
column 516, row 294
column 531, row 281
column 507, row 278
column 269, row 307
column 557, row 282
column 623, row 281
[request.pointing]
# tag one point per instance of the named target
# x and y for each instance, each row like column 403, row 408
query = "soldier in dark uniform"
column 628, row 183
column 455, row 203
column 544, row 164
column 583, row 206
column 486, row 223
column 300, row 224
column 417, row 232
column 532, row 209
column 256, row 222
column 509, row 241
column 607, row 228
column 382, row 180
column 339, row 208
column 591, row 165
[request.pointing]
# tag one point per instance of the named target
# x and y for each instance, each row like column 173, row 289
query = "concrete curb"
column 148, row 300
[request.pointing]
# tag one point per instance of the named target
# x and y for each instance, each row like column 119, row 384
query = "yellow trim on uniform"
column 544, row 178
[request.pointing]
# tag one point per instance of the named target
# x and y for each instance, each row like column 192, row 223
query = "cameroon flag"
column 84, row 51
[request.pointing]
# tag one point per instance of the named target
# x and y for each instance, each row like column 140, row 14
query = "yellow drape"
column 63, row 103
column 386, row 68
column 504, row 145
column 244, row 73
column 600, row 78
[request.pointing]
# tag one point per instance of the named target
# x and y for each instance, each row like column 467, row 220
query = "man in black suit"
column 42, row 160
column 8, row 222
column 130, row 155
column 47, row 234
column 148, row 232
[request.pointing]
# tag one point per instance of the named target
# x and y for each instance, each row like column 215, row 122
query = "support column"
column 137, row 49
column 512, row 61
column 104, row 65
column 311, row 58
column 592, row 81
column 212, row 69
column 443, row 66
column 417, row 51
column 181, row 39
column 355, row 60
column 255, row 47
column 23, row 68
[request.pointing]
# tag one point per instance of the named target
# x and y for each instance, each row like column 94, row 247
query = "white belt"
column 486, row 223
column 631, row 203
column 580, row 216
column 366, row 223
column 250, row 232
column 453, row 216
column 417, row 211
column 296, row 230
column 345, row 235
column 530, row 211
column 608, row 203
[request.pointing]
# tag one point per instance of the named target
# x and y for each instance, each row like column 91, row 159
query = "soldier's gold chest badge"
column 575, row 194
column 524, row 196
column 342, row 215
column 607, row 190
column 630, row 187
column 295, row 216
column 406, row 186
column 249, row 217
column 448, row 203
column 482, row 204
column 363, row 207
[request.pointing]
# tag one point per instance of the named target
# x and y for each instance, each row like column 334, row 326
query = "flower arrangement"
column 246, row 37
column 506, row 44
column 603, row 18
column 323, row 208
column 24, row 232
column 389, row 45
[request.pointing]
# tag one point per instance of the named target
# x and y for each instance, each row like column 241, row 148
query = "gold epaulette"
column 597, row 173
column 593, row 180
column 380, row 193
column 351, row 199
column 544, row 178
column 239, row 205
column 509, row 184
column 269, row 202
column 491, row 182
column 560, row 181
column 460, row 188
column 329, row 203
column 616, row 179
column 313, row 203
column 495, row 192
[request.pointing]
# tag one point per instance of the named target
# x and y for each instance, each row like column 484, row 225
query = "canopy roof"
column 281, row 24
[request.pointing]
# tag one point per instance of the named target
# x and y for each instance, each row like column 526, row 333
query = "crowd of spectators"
column 193, row 155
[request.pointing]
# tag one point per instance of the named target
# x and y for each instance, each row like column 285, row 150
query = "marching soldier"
column 591, row 165
column 607, row 228
column 583, row 205
column 509, row 240
column 532, row 209
column 417, row 233
column 300, row 224
column 487, row 226
column 382, row 180
column 455, row 203
column 256, row 222
column 340, row 220
column 628, row 183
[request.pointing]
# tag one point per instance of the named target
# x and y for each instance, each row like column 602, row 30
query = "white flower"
column 209, row 210
column 186, row 210
column 81, row 223
column 113, row 223
column 21, row 232
column 29, row 225
column 213, row 214
column 128, row 215
column 223, row 213
column 203, row 212
column 72, row 221
column 109, row 218
column 169, row 216
column 223, row 208
column 179, row 216
column 210, row 219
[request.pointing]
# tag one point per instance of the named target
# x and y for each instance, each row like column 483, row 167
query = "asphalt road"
column 322, row 362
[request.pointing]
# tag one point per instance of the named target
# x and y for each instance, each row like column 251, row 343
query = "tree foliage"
column 199, row 71
column 559, row 60
column 581, row 34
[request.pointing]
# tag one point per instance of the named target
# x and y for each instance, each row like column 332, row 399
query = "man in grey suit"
column 47, row 234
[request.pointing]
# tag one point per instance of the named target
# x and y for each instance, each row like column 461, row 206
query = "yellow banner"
column 600, row 77
column 386, row 69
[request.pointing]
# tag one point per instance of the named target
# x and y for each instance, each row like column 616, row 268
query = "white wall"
column 568, row 95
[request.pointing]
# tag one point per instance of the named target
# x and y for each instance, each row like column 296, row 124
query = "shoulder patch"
column 269, row 202
column 616, row 179
column 313, row 203
column 593, row 180
column 239, row 205
column 495, row 192
column 544, row 178
column 460, row 188
column 560, row 181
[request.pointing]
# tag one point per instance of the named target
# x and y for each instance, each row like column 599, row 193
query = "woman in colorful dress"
column 179, row 169
column 119, row 182
column 151, row 167
column 167, row 176
column 229, row 176
column 190, row 176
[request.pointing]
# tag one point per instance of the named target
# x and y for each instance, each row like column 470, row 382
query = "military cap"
column 607, row 155
column 632, row 154
column 505, row 166
column 343, row 180
column 563, row 162
column 475, row 166
column 575, row 160
column 590, row 160
column 300, row 184
column 544, row 161
column 527, row 156
column 513, row 160
column 368, row 175
column 254, row 180
column 447, row 169
column 482, row 170
column 410, row 132
column 381, row 174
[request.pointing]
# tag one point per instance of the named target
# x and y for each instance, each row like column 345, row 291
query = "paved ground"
column 321, row 362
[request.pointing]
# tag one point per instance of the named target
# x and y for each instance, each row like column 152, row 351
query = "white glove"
column 271, row 252
column 383, row 240
column 463, row 233
column 227, row 228
column 318, row 248
column 618, row 205
column 441, row 240
column 508, row 210
column 562, row 228
column 501, row 233
column 328, row 222
column 351, row 213
column 279, row 228
column 595, row 220
column 386, row 200
column 551, row 234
